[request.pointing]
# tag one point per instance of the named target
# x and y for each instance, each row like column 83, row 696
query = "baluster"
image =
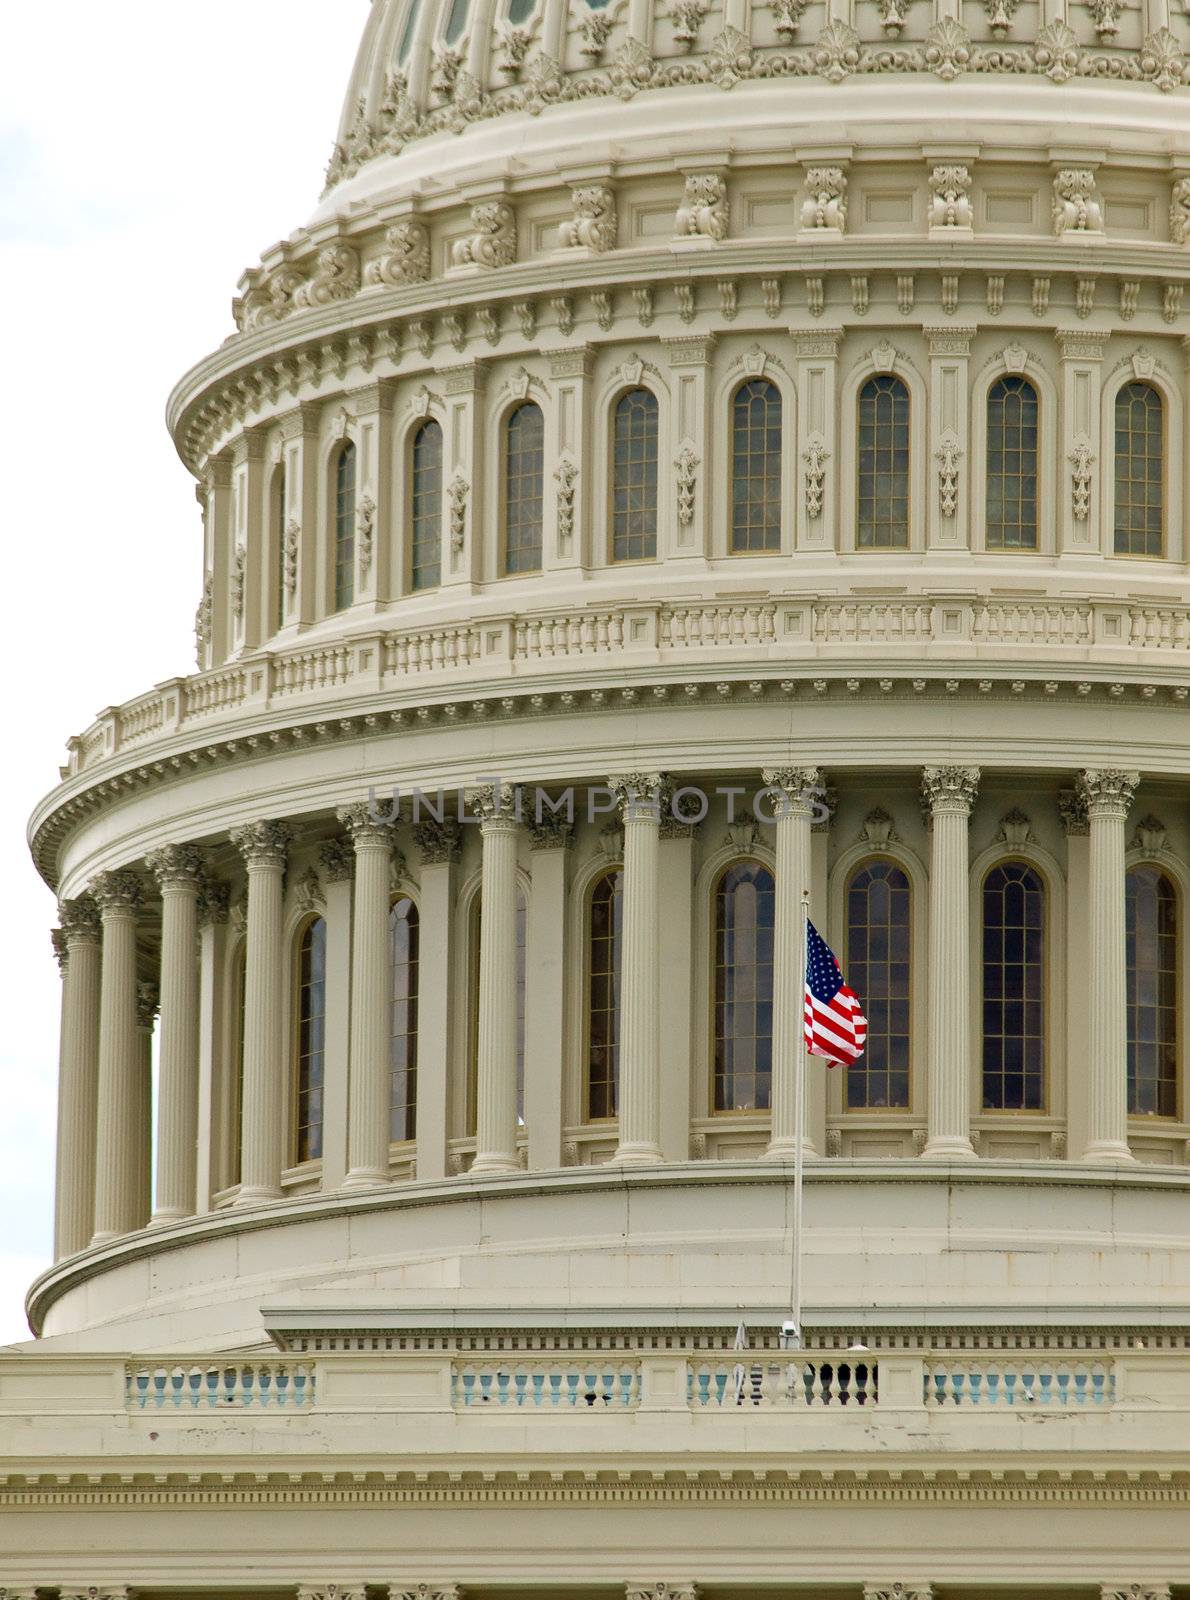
column 520, row 1381
column 159, row 1389
column 502, row 1388
column 555, row 1389
column 1045, row 1384
column 141, row 1381
column 1080, row 1387
column 572, row 1387
column 468, row 1387
column 485, row 1387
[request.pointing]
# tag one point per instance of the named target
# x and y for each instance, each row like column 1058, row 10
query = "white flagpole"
column 799, row 1125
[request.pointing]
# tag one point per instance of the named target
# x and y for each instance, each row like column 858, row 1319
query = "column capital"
column 793, row 791
column 495, row 804
column 80, row 920
column 554, row 832
column 177, row 866
column 214, row 902
column 61, row 954
column 638, row 794
column 1106, row 791
column 1135, row 1591
column 263, row 844
column 424, row 1591
column 1072, row 808
column 337, row 859
column 370, row 826
column 898, row 1591
column 148, row 1003
column 331, row 1591
column 949, row 789
column 117, row 893
column 439, row 844
column 660, row 1591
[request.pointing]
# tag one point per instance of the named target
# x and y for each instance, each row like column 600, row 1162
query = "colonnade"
column 102, row 1158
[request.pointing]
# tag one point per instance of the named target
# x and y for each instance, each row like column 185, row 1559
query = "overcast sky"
column 148, row 153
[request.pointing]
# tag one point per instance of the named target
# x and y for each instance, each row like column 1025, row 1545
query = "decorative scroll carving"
column 407, row 255
column 1106, row 16
column 365, row 530
column 336, row 277
column 686, row 479
column 595, row 29
column 438, row 843
column 514, row 42
column 293, row 534
column 815, row 456
column 950, row 197
column 177, row 866
column 1150, row 836
column 1015, row 829
column 787, row 16
column 263, row 844
column 703, row 211
column 1000, row 14
column 892, row 16
column 566, row 477
column 687, row 17
column 494, row 241
column 1072, row 808
column 1076, row 207
column 214, row 903
column 949, row 788
column 117, row 891
column 1179, row 212
column 948, row 455
column 203, row 619
column 1082, row 467
column 825, row 205
column 593, row 225
column 337, row 859
column 1107, row 791
column 457, row 496
column 878, row 829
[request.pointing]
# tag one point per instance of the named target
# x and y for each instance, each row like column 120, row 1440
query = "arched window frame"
column 1047, row 407
column 407, row 495
column 878, row 859
column 503, row 422
column 278, row 514
column 606, row 870
column 296, row 936
column 1139, row 370
column 707, row 887
column 719, row 484
column 1165, row 861
column 337, row 598
column 1053, row 1116
column 403, row 892
column 783, row 496
column 900, row 367
column 846, row 864
column 621, row 391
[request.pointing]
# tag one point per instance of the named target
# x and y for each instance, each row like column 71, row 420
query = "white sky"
column 148, row 153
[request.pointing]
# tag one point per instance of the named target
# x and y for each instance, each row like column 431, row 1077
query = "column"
column 217, row 1032
column 78, row 1079
column 148, row 1004
column 496, row 1096
column 117, row 1149
column 368, row 1070
column 337, row 860
column 545, row 1015
column 793, row 791
column 948, row 448
column 949, row 793
column 438, row 845
column 1107, row 796
column 179, row 873
column 263, row 846
column 640, row 984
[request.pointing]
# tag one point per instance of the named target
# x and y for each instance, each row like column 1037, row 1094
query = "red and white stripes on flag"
column 836, row 1027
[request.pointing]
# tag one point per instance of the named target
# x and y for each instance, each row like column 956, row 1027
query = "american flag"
column 835, row 1024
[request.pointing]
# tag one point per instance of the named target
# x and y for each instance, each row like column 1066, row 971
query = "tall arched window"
column 742, row 1042
column 756, row 466
column 425, row 462
column 522, row 951
column 403, row 956
column 311, row 1041
column 524, row 467
column 1140, row 471
column 1151, row 966
column 879, row 967
column 345, row 527
column 605, row 934
column 634, row 477
column 882, row 500
column 277, row 521
column 1012, row 464
column 1013, row 989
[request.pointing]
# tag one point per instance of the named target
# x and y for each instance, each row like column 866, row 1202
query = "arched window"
column 403, row 955
column 1140, row 471
column 743, row 1017
column 605, row 933
column 457, row 20
column 1013, row 989
column 634, row 477
column 756, row 466
column 1151, row 965
column 879, row 968
column 277, row 519
column 882, row 503
column 524, row 466
column 345, row 527
column 425, row 459
column 1012, row 464
column 408, row 30
column 522, row 935
column 311, row 1041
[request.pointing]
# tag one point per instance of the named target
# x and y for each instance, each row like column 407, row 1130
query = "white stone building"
column 785, row 404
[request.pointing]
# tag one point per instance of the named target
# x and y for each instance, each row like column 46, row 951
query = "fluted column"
column 1107, row 796
column 369, row 1091
column 793, row 807
column 263, row 846
column 639, row 1100
column 148, row 1004
column 179, row 873
column 495, row 1121
column 117, row 1133
column 78, row 1078
column 949, row 794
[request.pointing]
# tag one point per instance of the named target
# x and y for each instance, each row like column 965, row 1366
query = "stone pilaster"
column 117, row 1154
column 948, row 454
column 372, row 407
column 545, row 1013
column 793, row 791
column 568, row 422
column 898, row 1591
column 496, row 1087
column 179, row 873
column 464, row 439
column 949, row 793
column 816, row 469
column 148, row 1007
column 1080, row 444
column 217, row 533
column 639, row 1103
column 439, row 847
column 78, row 1078
column 1107, row 795
column 369, row 1090
column 336, row 859
column 264, row 847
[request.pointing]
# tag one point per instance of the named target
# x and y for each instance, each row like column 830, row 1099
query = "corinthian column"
column 118, row 1157
column 949, row 793
column 369, row 1092
column 1107, row 796
column 793, row 790
column 495, row 1105
column 78, row 1078
column 263, row 846
column 639, row 1100
column 179, row 873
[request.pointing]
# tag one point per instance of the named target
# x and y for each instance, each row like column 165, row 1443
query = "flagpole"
column 799, row 1149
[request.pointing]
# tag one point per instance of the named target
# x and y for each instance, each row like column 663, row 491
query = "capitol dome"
column 696, row 459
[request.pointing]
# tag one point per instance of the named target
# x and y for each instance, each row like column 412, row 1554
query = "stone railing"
column 721, row 634
column 220, row 1386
